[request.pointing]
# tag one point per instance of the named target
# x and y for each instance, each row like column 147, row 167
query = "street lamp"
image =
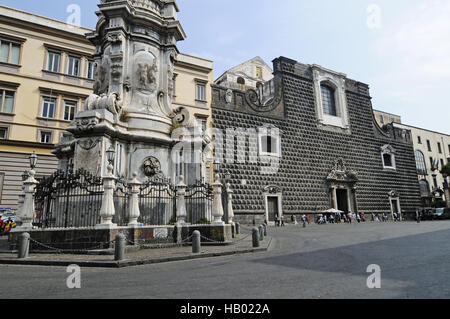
column 33, row 160
column 110, row 155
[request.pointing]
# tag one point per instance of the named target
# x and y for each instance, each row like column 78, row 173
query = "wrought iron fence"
column 199, row 198
column 157, row 202
column 121, row 202
column 68, row 199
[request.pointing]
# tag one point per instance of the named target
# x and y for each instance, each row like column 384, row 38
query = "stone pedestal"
column 134, row 212
column 217, row 210
column 108, row 211
column 27, row 211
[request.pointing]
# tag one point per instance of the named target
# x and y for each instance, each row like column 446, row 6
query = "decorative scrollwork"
column 254, row 99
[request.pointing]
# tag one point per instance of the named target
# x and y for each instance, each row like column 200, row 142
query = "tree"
column 445, row 171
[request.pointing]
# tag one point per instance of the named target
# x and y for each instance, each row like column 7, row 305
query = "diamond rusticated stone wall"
column 309, row 149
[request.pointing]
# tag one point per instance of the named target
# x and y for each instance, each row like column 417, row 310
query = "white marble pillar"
column 230, row 204
column 27, row 211
column 108, row 211
column 134, row 213
column 217, row 202
column 181, row 202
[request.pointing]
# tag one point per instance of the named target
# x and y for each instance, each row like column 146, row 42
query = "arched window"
column 328, row 100
column 241, row 80
column 420, row 163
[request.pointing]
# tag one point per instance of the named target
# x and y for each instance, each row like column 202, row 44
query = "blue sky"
column 400, row 48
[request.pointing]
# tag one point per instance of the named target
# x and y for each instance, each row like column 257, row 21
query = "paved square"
column 327, row 261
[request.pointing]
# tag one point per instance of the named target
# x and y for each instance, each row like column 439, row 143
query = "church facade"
column 307, row 141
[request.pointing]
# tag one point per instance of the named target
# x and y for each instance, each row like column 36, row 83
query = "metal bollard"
column 196, row 242
column 238, row 228
column 255, row 235
column 119, row 253
column 265, row 230
column 24, row 246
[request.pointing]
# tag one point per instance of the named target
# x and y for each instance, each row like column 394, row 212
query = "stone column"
column 134, row 211
column 181, row 202
column 108, row 211
column 230, row 204
column 334, row 197
column 217, row 210
column 26, row 213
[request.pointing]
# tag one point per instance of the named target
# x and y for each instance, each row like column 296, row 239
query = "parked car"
column 441, row 213
column 7, row 220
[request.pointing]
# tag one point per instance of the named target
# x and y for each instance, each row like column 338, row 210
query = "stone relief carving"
column 341, row 173
column 111, row 102
column 151, row 166
column 229, row 96
column 146, row 74
column 86, row 124
column 101, row 83
column 89, row 144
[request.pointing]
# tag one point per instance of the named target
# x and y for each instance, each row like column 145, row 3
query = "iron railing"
column 68, row 199
column 157, row 202
column 199, row 198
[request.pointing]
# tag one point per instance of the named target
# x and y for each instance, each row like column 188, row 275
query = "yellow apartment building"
column 46, row 72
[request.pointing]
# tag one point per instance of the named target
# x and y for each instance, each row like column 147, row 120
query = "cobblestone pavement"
column 327, row 261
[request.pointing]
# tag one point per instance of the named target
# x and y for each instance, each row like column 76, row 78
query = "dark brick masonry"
column 309, row 150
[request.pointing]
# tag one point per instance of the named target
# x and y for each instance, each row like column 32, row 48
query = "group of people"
column 339, row 217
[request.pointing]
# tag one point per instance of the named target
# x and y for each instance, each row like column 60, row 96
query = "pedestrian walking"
column 282, row 220
column 304, row 221
column 358, row 218
column 417, row 216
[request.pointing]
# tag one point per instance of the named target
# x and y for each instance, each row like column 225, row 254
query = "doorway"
column 342, row 200
column 273, row 208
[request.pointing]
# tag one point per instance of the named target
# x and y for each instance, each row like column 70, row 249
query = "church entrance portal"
column 342, row 200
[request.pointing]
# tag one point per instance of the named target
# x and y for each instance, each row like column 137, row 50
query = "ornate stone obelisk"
column 131, row 108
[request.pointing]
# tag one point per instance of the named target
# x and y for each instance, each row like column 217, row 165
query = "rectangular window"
column 3, row 133
column 91, row 70
column 442, row 163
column 48, row 108
column 429, row 145
column 432, row 163
column 6, row 101
column 73, row 66
column 439, row 148
column 419, row 140
column 381, row 119
column 259, row 72
column 201, row 92
column 9, row 52
column 70, row 109
column 46, row 137
column 53, row 61
column 435, row 182
column 387, row 158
